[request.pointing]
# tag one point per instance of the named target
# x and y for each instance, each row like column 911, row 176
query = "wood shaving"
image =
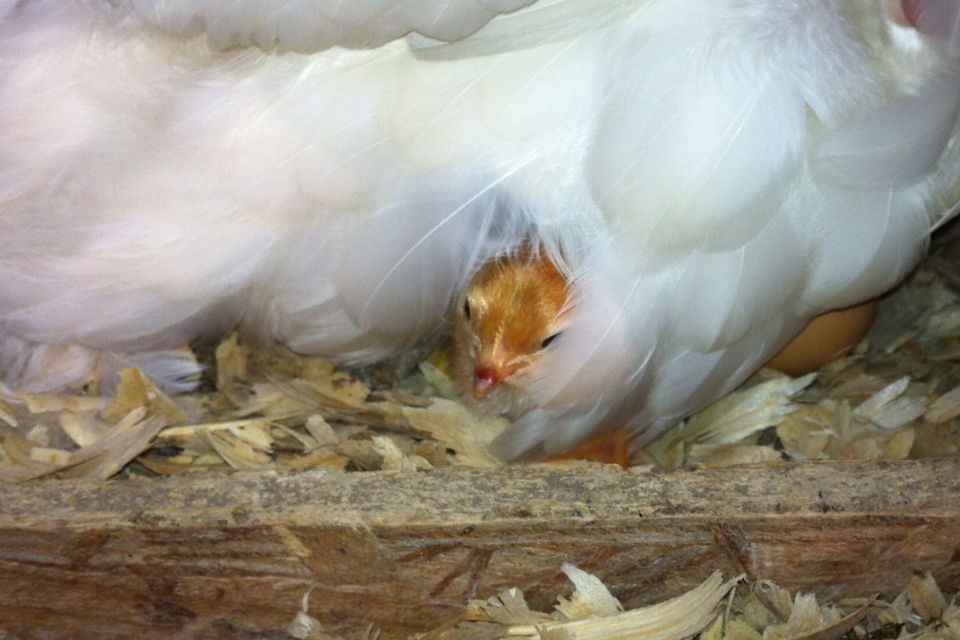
column 896, row 396
column 715, row 610
column 926, row 598
column 590, row 596
column 264, row 411
column 594, row 614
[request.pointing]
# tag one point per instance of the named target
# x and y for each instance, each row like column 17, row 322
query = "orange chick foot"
column 609, row 448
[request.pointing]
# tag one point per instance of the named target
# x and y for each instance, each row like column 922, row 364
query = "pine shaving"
column 590, row 598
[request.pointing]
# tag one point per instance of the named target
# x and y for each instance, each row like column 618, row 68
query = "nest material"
column 897, row 396
column 715, row 610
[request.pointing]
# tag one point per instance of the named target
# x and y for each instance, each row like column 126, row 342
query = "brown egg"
column 828, row 337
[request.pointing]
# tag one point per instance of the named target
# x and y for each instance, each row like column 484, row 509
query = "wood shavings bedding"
column 896, row 396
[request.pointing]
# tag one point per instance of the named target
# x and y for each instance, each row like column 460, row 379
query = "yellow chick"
column 511, row 311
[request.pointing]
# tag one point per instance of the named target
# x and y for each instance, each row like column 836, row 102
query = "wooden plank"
column 223, row 556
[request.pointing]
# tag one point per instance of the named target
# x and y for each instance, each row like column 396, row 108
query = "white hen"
column 710, row 173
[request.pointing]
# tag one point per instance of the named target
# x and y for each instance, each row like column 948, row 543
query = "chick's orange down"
column 512, row 310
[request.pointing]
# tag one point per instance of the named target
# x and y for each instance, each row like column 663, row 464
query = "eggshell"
column 828, row 337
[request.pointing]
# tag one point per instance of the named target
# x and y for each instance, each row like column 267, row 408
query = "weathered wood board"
column 222, row 556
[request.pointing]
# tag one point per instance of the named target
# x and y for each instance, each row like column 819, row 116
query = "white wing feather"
column 315, row 25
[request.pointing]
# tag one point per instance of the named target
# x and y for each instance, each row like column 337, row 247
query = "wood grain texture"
column 231, row 556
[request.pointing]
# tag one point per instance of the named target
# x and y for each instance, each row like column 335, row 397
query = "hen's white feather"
column 711, row 173
column 315, row 25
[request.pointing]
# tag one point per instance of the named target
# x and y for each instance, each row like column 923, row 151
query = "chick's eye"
column 466, row 310
column 550, row 339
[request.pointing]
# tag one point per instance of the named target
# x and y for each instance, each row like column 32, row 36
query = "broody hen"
column 698, row 177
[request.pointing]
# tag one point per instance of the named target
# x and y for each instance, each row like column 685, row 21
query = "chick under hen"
column 705, row 175
column 513, row 309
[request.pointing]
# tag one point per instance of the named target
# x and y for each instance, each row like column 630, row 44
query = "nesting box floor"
column 405, row 550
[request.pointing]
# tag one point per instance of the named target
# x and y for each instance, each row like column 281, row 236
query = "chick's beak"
column 485, row 378
column 488, row 376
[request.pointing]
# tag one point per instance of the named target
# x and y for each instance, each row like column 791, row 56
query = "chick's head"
column 512, row 310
